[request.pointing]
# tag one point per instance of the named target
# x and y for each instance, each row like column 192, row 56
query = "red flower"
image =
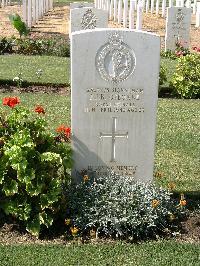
column 39, row 109
column 60, row 129
column 180, row 53
column 196, row 49
column 6, row 100
column 11, row 101
column 65, row 130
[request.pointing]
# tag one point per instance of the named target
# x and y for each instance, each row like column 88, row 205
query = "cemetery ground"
column 176, row 165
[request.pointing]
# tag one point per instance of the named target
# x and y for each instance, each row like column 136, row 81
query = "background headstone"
column 87, row 18
column 80, row 5
column 177, row 27
column 114, row 78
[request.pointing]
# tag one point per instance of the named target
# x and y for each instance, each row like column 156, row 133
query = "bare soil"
column 11, row 233
column 56, row 22
column 36, row 89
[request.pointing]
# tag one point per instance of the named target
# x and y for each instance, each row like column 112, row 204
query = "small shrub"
column 168, row 54
column 32, row 46
column 34, row 166
column 6, row 46
column 120, row 207
column 186, row 79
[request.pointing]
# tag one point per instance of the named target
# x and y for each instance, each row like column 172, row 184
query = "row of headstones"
column 33, row 10
column 124, row 10
column 4, row 3
column 147, row 5
column 84, row 16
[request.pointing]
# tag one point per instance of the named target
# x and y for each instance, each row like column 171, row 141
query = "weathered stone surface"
column 177, row 27
column 80, row 5
column 114, row 81
column 87, row 18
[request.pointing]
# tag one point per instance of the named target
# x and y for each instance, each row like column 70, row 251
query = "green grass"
column 170, row 66
column 57, row 107
column 177, row 142
column 55, row 69
column 165, row 253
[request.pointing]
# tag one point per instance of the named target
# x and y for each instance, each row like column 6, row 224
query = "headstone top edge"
column 86, row 7
column 114, row 30
column 179, row 7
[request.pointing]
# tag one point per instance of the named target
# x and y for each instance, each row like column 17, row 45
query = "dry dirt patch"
column 56, row 22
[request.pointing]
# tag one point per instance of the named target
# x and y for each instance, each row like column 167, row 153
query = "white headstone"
column 177, row 27
column 157, row 6
column 194, row 7
column 163, row 7
column 87, row 18
column 119, row 18
column 111, row 9
column 115, row 10
column 139, row 17
column 147, row 6
column 114, row 78
column 198, row 15
column 131, row 14
column 80, row 5
column 125, row 13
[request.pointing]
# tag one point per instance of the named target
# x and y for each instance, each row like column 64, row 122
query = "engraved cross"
column 113, row 135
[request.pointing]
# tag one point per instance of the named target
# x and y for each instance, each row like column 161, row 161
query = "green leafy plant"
column 117, row 206
column 168, row 54
column 186, row 79
column 19, row 25
column 35, row 46
column 34, row 166
column 6, row 46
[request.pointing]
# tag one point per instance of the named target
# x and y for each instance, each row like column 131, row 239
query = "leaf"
column 46, row 219
column 51, row 157
column 33, row 226
column 10, row 188
column 35, row 187
column 19, row 25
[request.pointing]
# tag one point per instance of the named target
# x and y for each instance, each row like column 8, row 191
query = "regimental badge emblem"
column 115, row 61
column 179, row 16
column 89, row 20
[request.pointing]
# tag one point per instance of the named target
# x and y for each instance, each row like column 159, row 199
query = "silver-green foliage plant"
column 186, row 79
column 34, row 166
column 117, row 206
